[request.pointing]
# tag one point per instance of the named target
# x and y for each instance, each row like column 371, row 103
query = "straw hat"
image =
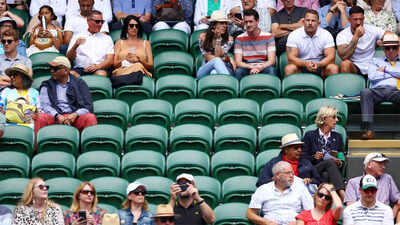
column 19, row 68
column 218, row 16
column 291, row 139
column 390, row 39
column 164, row 210
column 60, row 61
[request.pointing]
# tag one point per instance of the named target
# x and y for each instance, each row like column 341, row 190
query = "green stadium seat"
column 282, row 110
column 209, row 189
column 303, row 87
column 195, row 111
column 198, row 62
column 58, row 137
column 230, row 163
column 100, row 87
column 239, row 110
column 269, row 136
column 191, row 137
column 188, row 161
column 112, row 111
column 158, row 189
column 379, row 53
column 176, row 88
column 38, row 81
column 102, row 137
column 24, row 15
column 96, row 164
column 62, row 189
column 110, row 190
column 40, row 60
column 18, row 138
column 134, row 93
column 146, row 137
column 235, row 136
column 231, row 213
column 194, row 42
column 218, row 88
column 53, row 164
column 260, row 87
column 167, row 40
column 14, row 164
column 264, row 157
column 313, row 107
column 142, row 163
column 283, row 61
column 115, row 35
column 108, row 208
column 173, row 62
column 152, row 111
column 12, row 189
column 238, row 189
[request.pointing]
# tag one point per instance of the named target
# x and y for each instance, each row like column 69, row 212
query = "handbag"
column 110, row 219
column 19, row 112
column 134, row 78
column 174, row 13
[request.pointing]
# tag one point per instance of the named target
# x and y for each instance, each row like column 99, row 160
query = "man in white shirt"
column 91, row 50
column 104, row 6
column 311, row 49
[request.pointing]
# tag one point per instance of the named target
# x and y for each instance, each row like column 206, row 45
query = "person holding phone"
column 84, row 210
column 203, row 11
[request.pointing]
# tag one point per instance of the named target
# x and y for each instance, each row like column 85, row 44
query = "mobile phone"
column 238, row 15
column 82, row 215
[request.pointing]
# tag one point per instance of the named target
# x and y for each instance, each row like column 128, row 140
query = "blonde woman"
column 84, row 202
column 35, row 208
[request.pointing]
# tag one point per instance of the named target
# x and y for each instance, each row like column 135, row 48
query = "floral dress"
column 97, row 215
column 24, row 215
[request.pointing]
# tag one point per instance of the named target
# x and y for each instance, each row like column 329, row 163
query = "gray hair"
column 324, row 112
column 278, row 167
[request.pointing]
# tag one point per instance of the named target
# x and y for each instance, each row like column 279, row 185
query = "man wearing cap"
column 6, row 23
column 384, row 76
column 367, row 210
column 64, row 98
column 189, row 207
column 164, row 215
column 291, row 151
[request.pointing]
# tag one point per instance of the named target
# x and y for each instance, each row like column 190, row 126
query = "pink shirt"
column 326, row 219
column 310, row 4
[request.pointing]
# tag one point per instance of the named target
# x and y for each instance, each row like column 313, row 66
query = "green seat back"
column 40, row 60
column 95, row 164
column 58, row 137
column 198, row 111
column 53, row 164
column 176, row 88
column 12, row 189
column 313, row 107
column 264, row 157
column 209, row 189
column 238, row 189
column 158, row 189
column 283, row 62
column 269, row 136
column 153, row 111
column 102, row 137
column 235, row 136
column 260, row 87
column 198, row 62
column 231, row 213
column 108, row 208
column 134, row 93
column 173, row 62
column 239, row 110
column 379, row 53
column 230, row 163
column 38, row 81
column 112, row 111
column 142, row 163
column 303, row 87
column 167, row 40
column 115, row 35
column 110, row 190
column 218, row 88
column 14, row 164
column 146, row 137
column 188, row 161
column 191, row 137
column 100, row 87
column 17, row 138
column 282, row 110
column 194, row 42
column 62, row 189
column 24, row 16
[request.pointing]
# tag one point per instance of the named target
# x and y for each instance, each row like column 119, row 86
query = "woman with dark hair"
column 214, row 45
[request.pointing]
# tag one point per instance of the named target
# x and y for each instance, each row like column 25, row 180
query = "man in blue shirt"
column 139, row 8
column 334, row 17
column 7, row 23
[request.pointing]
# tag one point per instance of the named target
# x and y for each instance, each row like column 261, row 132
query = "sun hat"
column 291, row 139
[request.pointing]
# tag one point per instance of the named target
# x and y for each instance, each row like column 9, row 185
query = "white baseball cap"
column 376, row 156
column 368, row 181
column 186, row 176
column 133, row 186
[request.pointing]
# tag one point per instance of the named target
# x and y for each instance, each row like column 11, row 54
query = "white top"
column 201, row 9
column 260, row 4
column 282, row 207
column 78, row 24
column 94, row 50
column 59, row 7
column 379, row 214
column 104, row 6
column 310, row 48
column 365, row 49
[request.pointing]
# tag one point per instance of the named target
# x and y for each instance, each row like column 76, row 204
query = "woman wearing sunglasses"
column 135, row 208
column 84, row 210
column 322, row 213
column 35, row 207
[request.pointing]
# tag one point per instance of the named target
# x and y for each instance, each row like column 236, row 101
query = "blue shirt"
column 141, row 6
column 21, row 48
column 126, row 217
column 385, row 78
column 324, row 24
column 396, row 8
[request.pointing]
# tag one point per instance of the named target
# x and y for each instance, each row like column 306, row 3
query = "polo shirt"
column 6, row 62
column 140, row 6
column 282, row 17
column 357, row 214
column 104, row 6
column 191, row 215
column 255, row 49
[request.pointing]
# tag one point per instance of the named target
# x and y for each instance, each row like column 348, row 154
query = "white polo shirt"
column 94, row 50
column 104, row 6
column 310, row 48
column 379, row 214
column 78, row 23
column 365, row 49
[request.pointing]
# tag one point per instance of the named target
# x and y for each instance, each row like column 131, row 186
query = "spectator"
column 49, row 39
column 356, row 44
column 104, row 6
column 379, row 17
column 215, row 44
column 204, row 10
column 5, row 13
column 7, row 23
column 285, row 21
column 140, row 9
column 175, row 14
column 5, row 215
column 164, row 215
column 64, row 98
column 59, row 7
column 85, row 199
column 323, row 212
column 281, row 199
column 34, row 200
column 322, row 146
column 85, row 52
column 135, row 209
column 311, row 49
column 269, row 4
column 334, row 17
column 254, row 49
column 365, row 4
column 396, row 11
column 368, row 210
column 309, row 4
column 189, row 207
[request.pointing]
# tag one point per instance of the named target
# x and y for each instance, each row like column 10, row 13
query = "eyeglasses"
column 165, row 219
column 138, row 192
column 370, row 191
column 391, row 47
column 321, row 196
column 55, row 68
column 43, row 187
column 132, row 25
column 87, row 192
column 12, row 76
column 8, row 41
column 98, row 21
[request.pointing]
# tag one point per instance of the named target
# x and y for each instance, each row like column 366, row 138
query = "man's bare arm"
column 329, row 58
column 277, row 32
column 293, row 57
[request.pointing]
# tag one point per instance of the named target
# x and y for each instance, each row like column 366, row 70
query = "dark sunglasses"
column 13, row 76
column 8, row 41
column 391, row 47
column 98, row 21
column 139, row 192
column 43, row 187
column 86, row 192
column 370, row 191
column 132, row 25
column 55, row 68
column 321, row 196
column 165, row 219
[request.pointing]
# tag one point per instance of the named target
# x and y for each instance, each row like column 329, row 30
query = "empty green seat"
column 158, row 189
column 53, row 164
column 188, row 161
column 14, row 164
column 100, row 87
column 167, row 40
column 209, row 189
column 58, row 137
column 235, row 136
column 173, row 62
column 231, row 213
column 194, row 42
column 95, row 164
column 282, row 110
column 110, row 190
column 239, row 189
column 142, row 163
column 134, row 93
column 269, row 136
column 198, row 111
column 18, row 139
column 303, row 87
column 313, row 107
column 191, row 137
column 264, row 157
column 230, row 163
column 260, row 87
column 152, row 111
column 40, row 60
column 112, row 111
column 102, row 137
column 62, row 189
column 283, row 61
column 176, row 88
column 218, row 88
column 108, row 208
column 239, row 110
column 38, row 81
column 146, row 137
column 12, row 189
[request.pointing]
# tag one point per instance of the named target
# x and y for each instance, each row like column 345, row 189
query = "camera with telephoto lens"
column 183, row 186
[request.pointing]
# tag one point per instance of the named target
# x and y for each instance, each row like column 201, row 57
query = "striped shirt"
column 255, row 49
column 379, row 214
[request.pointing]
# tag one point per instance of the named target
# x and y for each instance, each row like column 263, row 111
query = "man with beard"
column 188, row 206
column 281, row 199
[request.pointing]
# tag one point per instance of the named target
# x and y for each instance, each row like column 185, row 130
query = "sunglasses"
column 12, row 76
column 8, row 41
column 321, row 196
column 139, row 192
column 55, row 68
column 43, row 187
column 370, row 191
column 133, row 25
column 86, row 192
column 165, row 219
column 391, row 47
column 98, row 21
